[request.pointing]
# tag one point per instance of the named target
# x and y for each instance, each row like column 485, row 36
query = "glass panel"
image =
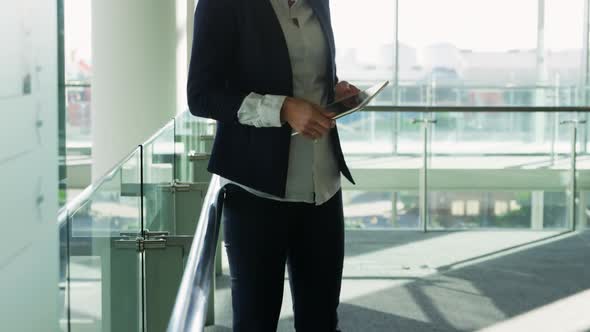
column 583, row 174
column 381, row 209
column 186, row 142
column 384, row 153
column 158, row 176
column 482, row 174
column 193, row 138
column 105, row 280
column 373, row 133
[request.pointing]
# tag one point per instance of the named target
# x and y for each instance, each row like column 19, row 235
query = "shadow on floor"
column 364, row 242
column 356, row 318
column 477, row 295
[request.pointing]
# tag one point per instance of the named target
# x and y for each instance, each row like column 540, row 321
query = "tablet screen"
column 355, row 102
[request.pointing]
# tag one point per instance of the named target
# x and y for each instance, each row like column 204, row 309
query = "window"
column 78, row 72
column 464, row 52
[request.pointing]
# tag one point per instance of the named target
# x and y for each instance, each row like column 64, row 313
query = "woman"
column 261, row 68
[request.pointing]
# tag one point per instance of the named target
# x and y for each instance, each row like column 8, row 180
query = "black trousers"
column 261, row 237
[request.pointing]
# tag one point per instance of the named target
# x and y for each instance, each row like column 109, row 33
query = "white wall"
column 28, row 166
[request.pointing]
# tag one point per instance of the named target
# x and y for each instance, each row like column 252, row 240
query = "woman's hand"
column 308, row 119
column 344, row 89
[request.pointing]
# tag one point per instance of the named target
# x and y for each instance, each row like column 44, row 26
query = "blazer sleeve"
column 209, row 93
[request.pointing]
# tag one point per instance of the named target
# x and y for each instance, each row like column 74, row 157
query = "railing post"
column 68, row 289
column 582, row 217
column 423, row 202
column 394, row 133
column 423, row 182
column 572, row 198
column 572, row 188
column 394, row 200
column 537, row 204
column 554, row 135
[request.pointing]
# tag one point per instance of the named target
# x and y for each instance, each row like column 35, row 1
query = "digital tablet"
column 355, row 102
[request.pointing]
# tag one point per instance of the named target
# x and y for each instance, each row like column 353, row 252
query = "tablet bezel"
column 364, row 103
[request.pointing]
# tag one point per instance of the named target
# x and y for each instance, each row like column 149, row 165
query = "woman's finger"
column 312, row 133
column 322, row 118
column 320, row 130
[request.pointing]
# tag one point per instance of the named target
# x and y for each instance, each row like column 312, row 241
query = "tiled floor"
column 446, row 281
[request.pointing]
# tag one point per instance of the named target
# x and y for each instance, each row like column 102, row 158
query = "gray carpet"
column 458, row 281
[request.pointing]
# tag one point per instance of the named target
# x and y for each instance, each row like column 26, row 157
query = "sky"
column 479, row 25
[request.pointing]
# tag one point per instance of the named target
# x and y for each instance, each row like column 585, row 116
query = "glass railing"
column 466, row 168
column 100, row 277
column 194, row 140
column 124, row 240
column 461, row 175
column 127, row 241
column 158, row 174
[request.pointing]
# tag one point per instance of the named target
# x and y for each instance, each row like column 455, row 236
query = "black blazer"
column 238, row 48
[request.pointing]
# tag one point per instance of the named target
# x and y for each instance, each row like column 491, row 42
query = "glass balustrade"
column 101, row 267
column 185, row 133
column 158, row 175
column 194, row 137
column 151, row 200
column 464, row 170
column 377, row 144
column 480, row 175
column 416, row 171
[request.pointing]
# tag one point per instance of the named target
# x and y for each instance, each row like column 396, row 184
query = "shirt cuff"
column 261, row 110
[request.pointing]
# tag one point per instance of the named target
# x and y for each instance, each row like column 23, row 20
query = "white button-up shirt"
column 313, row 175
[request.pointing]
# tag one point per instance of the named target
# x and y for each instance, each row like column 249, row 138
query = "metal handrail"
column 82, row 198
column 477, row 109
column 190, row 309
column 469, row 85
column 474, row 85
